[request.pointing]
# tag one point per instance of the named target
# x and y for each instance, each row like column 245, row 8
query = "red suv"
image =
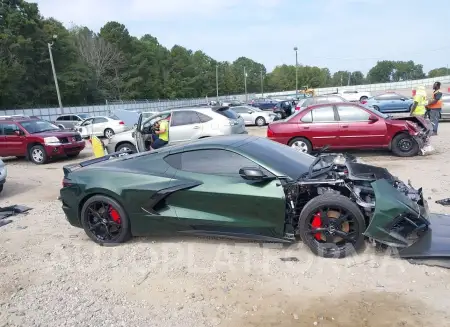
column 36, row 139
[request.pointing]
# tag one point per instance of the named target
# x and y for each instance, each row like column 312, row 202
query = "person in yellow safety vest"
column 435, row 107
column 419, row 102
column 162, row 134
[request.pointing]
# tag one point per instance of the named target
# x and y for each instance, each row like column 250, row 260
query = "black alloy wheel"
column 331, row 225
column 105, row 221
column 404, row 145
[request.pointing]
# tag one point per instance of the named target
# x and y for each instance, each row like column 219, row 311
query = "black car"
column 283, row 109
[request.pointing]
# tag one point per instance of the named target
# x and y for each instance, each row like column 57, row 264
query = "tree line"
column 114, row 65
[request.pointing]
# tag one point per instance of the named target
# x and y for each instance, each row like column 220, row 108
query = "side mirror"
column 403, row 99
column 373, row 118
column 252, row 174
column 19, row 133
column 250, row 112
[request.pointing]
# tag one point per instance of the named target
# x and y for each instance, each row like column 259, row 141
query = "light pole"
column 54, row 73
column 245, row 85
column 217, row 83
column 296, row 72
column 262, row 84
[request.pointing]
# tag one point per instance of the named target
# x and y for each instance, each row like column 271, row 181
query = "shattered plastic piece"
column 427, row 150
column 444, row 202
column 9, row 211
column 291, row 259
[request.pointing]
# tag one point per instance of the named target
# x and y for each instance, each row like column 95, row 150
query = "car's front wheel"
column 105, row 221
column 108, row 133
column 38, row 155
column 331, row 225
column 125, row 147
column 260, row 121
column 404, row 145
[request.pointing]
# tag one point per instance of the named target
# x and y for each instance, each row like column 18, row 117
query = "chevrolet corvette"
column 243, row 187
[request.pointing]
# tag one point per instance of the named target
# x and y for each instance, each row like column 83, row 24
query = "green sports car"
column 244, row 187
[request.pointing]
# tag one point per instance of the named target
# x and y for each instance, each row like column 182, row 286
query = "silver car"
column 254, row 116
column 186, row 124
column 70, row 121
column 3, row 174
column 445, row 114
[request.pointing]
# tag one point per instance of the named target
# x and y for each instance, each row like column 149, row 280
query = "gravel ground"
column 51, row 274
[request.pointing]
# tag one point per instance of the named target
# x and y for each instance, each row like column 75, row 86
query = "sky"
column 338, row 34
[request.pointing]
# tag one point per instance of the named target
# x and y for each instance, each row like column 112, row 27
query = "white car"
column 254, row 116
column 3, row 174
column 101, row 126
column 354, row 95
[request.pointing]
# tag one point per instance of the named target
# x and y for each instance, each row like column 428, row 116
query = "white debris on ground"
column 51, row 274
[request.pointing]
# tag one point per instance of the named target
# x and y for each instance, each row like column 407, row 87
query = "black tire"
column 332, row 250
column 404, row 145
column 363, row 98
column 300, row 141
column 126, row 145
column 73, row 155
column 376, row 108
column 108, row 133
column 1, row 188
column 38, row 155
column 125, row 228
column 260, row 121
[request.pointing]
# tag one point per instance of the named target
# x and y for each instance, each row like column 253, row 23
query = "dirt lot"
column 52, row 275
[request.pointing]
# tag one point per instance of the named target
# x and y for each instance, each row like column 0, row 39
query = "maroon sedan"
column 350, row 126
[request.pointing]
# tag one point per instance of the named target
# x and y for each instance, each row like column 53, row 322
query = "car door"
column 224, row 202
column 143, row 127
column 445, row 106
column 356, row 130
column 14, row 139
column 138, row 135
column 320, row 125
column 99, row 125
column 400, row 103
column 85, row 128
column 185, row 125
column 3, row 149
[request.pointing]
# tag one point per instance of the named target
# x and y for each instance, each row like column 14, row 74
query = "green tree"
column 438, row 72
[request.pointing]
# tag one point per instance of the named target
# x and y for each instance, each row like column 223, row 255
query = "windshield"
column 83, row 116
column 38, row 126
column 280, row 157
column 114, row 117
column 376, row 112
column 228, row 113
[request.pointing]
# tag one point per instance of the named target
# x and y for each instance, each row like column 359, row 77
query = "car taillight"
column 297, row 108
column 363, row 102
column 121, row 123
column 269, row 132
column 66, row 182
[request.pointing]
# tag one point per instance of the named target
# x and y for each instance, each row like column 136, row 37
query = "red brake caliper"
column 317, row 223
column 114, row 214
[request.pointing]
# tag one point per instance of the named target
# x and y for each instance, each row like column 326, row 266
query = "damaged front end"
column 421, row 130
column 400, row 216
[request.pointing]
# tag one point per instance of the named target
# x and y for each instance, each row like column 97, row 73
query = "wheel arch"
column 103, row 192
column 123, row 142
column 29, row 146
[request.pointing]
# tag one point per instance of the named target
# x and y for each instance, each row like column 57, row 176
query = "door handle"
column 306, row 127
column 196, row 127
column 344, row 126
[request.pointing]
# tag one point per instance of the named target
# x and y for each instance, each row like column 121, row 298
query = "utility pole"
column 262, row 84
column 54, row 73
column 217, row 82
column 349, row 75
column 296, row 72
column 245, row 85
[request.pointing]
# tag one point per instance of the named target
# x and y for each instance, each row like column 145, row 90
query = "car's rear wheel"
column 105, row 221
column 124, row 147
column 331, row 225
column 38, row 155
column 376, row 108
column 108, row 133
column 404, row 145
column 260, row 121
column 301, row 144
column 363, row 98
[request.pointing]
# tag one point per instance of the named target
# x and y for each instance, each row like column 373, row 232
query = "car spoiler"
column 70, row 168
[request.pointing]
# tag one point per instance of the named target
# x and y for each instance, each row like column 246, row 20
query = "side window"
column 203, row 118
column 100, row 120
column 352, row 113
column 181, row 118
column 307, row 118
column 87, row 122
column 323, row 114
column 62, row 118
column 240, row 110
column 212, row 162
column 9, row 129
column 73, row 118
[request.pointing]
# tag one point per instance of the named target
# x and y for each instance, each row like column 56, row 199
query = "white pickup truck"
column 354, row 95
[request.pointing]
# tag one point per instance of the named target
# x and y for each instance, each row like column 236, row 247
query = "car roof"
column 334, row 104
